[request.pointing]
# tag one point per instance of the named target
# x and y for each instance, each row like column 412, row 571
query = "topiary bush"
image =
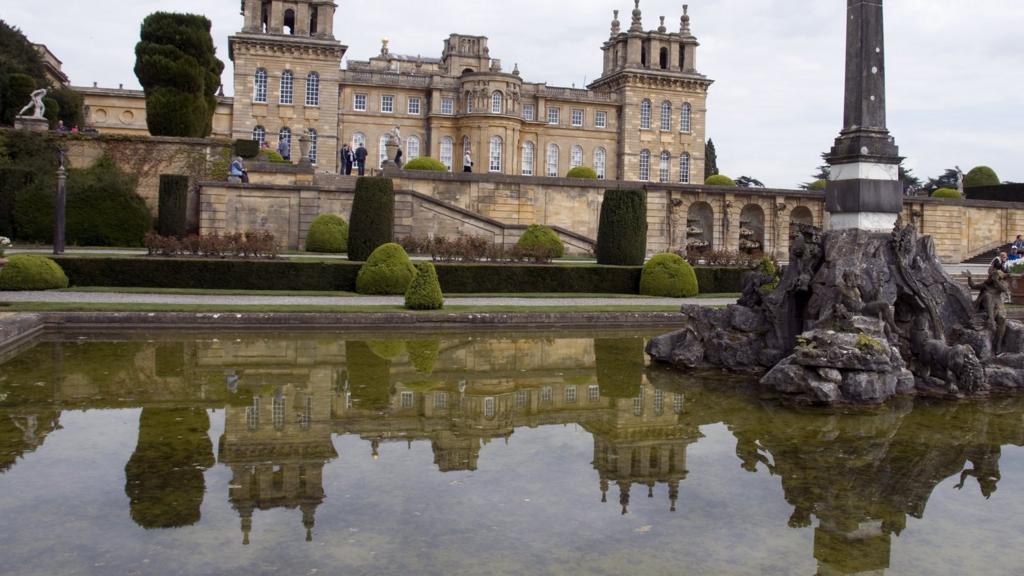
column 388, row 270
column 584, row 172
column 328, row 234
column 32, row 272
column 720, row 180
column 947, row 193
column 247, row 149
column 274, row 157
column 622, row 231
column 424, row 292
column 387, row 349
column 542, row 240
column 981, row 176
column 369, row 376
column 425, row 163
column 103, row 208
column 620, row 366
column 423, row 354
column 373, row 217
column 668, row 275
column 172, row 217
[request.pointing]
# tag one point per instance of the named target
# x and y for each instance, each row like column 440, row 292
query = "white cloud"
column 953, row 68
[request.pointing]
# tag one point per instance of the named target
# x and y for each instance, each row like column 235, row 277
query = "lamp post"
column 59, row 205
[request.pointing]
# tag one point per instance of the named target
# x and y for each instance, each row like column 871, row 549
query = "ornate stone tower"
column 287, row 64
column 864, row 190
column 663, row 99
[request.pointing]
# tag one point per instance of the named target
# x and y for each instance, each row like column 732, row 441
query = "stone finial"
column 661, row 27
column 684, row 22
column 637, row 25
column 384, row 46
column 616, row 25
column 515, row 69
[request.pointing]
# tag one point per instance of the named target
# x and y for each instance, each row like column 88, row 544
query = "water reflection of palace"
column 859, row 475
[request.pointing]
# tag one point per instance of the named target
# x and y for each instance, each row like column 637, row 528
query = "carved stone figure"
column 36, row 104
column 395, row 136
column 990, row 302
column 852, row 301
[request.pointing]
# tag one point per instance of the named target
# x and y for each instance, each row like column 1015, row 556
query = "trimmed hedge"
column 11, row 181
column 622, row 231
column 720, row 180
column 981, row 176
column 543, row 239
column 947, row 193
column 424, row 292
column 372, row 221
column 670, row 276
column 620, row 366
column 369, row 376
column 387, row 271
column 172, row 218
column 583, row 172
column 425, row 163
column 284, row 275
column 32, row 272
column 247, row 149
column 328, row 234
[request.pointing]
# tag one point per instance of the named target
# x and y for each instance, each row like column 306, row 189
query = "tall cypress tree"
column 710, row 160
column 177, row 65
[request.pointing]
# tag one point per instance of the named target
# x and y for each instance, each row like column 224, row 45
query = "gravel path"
column 209, row 300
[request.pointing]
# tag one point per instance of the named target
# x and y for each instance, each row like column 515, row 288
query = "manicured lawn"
column 204, row 308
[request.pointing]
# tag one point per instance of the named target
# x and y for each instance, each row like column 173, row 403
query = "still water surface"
column 495, row 454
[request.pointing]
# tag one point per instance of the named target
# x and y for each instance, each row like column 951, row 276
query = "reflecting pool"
column 503, row 454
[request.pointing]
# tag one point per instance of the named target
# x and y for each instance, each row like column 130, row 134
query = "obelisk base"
column 867, row 221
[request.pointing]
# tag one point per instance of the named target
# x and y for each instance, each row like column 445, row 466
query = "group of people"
column 353, row 159
column 1004, row 261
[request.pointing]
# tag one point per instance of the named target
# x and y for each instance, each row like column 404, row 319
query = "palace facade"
column 642, row 119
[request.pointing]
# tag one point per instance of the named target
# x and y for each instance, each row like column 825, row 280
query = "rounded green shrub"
column 373, row 216
column 328, row 234
column 539, row 238
column 818, row 185
column 720, row 180
column 32, row 272
column 387, row 349
column 423, row 354
column 584, row 172
column 425, row 163
column 388, row 270
column 622, row 231
column 274, row 157
column 947, row 193
column 247, row 149
column 981, row 176
column 424, row 292
column 668, row 275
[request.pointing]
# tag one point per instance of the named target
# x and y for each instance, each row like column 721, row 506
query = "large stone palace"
column 642, row 119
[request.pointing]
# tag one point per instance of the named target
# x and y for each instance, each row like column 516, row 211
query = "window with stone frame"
column 448, row 106
column 684, row 117
column 577, row 118
column 489, row 407
column 359, row 102
column 285, row 135
column 663, row 167
column 645, row 115
column 645, row 165
column 383, row 150
column 529, row 112
column 554, row 115
column 407, row 399
column 496, row 154
column 312, row 89
column 600, row 162
column 259, row 91
column 666, row 116
column 529, row 158
column 447, row 152
column 287, row 87
column 684, row 168
column 313, row 149
column 552, row 161
column 601, row 120
column 387, row 104
column 570, row 394
column 593, row 393
column 414, row 105
column 440, row 400
column 576, row 157
column 259, row 134
column 469, row 102
column 358, row 139
column 412, row 148
column 497, row 103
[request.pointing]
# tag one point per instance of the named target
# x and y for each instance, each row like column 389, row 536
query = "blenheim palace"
column 642, row 119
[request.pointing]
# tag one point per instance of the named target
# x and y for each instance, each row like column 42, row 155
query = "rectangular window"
column 529, row 112
column 448, row 106
column 407, row 399
column 659, row 402
column 387, row 104
column 440, row 400
column 577, row 118
column 601, row 120
column 414, row 106
column 277, row 412
column 489, row 407
column 570, row 394
column 554, row 115
column 546, row 395
column 521, row 396
column 252, row 414
column 677, row 403
column 593, row 393
column 359, row 103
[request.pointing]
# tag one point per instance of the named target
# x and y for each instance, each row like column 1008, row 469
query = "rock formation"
column 858, row 317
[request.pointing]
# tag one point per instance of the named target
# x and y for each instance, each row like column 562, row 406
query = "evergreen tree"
column 176, row 64
column 749, row 182
column 710, row 160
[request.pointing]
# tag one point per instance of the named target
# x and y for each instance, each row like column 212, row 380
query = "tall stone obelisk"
column 864, row 190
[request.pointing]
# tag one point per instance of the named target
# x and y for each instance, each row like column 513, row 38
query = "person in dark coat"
column 361, row 159
column 347, row 160
column 398, row 158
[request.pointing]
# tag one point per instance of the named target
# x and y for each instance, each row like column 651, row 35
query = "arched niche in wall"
column 751, row 229
column 700, row 228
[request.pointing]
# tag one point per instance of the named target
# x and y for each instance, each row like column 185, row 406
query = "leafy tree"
column 911, row 184
column 176, row 64
column 749, row 182
column 821, row 175
column 947, row 179
column 710, row 160
column 20, row 60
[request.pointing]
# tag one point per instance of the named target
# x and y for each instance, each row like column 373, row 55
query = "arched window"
column 469, row 102
column 289, row 21
column 684, row 117
column 645, row 115
column 495, row 156
column 663, row 58
column 600, row 161
column 666, row 116
column 313, row 19
column 497, row 103
column 466, row 148
column 645, row 165
column 552, row 161
column 663, row 167
column 312, row 145
column 447, row 152
column 285, row 135
column 529, row 155
column 684, row 168
column 287, row 87
column 313, row 89
column 259, row 134
column 259, row 91
column 359, row 139
column 383, row 151
column 412, row 148
column 576, row 158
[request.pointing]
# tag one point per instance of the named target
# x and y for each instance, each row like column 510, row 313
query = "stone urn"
column 1017, row 289
column 390, row 150
column 304, row 143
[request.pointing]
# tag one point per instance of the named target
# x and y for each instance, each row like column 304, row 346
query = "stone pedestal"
column 304, row 146
column 390, row 150
column 32, row 124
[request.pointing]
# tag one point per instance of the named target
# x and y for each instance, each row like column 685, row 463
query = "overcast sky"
column 955, row 68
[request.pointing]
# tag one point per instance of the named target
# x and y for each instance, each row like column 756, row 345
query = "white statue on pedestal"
column 37, row 103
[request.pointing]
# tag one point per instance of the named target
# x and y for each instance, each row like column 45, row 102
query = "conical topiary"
column 425, row 291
